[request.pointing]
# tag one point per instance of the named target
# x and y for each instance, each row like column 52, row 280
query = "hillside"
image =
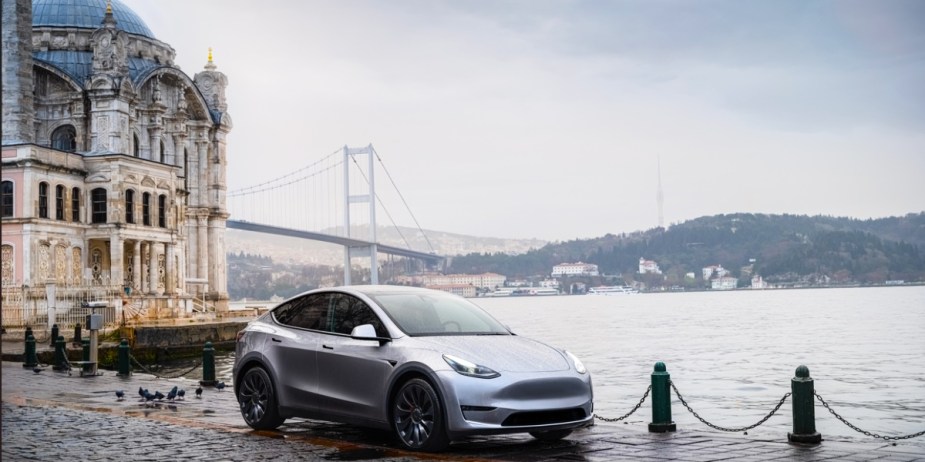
column 780, row 248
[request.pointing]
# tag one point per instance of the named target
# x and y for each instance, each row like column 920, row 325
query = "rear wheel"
column 552, row 435
column 257, row 399
column 417, row 417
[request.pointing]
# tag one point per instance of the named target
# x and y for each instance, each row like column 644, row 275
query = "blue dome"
column 86, row 14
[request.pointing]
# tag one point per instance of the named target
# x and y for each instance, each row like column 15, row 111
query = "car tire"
column 257, row 399
column 417, row 417
column 552, row 435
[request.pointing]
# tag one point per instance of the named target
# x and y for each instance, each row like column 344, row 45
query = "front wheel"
column 417, row 417
column 552, row 435
column 257, row 399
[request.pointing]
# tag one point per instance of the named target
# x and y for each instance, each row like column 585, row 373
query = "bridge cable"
column 389, row 176
column 384, row 209
column 242, row 191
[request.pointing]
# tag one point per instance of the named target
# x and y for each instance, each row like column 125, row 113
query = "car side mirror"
column 367, row 332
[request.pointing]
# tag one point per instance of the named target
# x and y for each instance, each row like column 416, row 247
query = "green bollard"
column 60, row 355
column 804, row 413
column 124, row 352
column 86, row 352
column 28, row 334
column 208, row 366
column 661, row 401
column 54, row 334
column 77, row 339
column 32, row 359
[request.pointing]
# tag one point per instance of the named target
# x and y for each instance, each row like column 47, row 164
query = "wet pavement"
column 55, row 416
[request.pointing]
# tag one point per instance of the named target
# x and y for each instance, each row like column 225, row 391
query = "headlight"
column 579, row 366
column 468, row 368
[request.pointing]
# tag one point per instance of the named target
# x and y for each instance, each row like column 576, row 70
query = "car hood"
column 503, row 353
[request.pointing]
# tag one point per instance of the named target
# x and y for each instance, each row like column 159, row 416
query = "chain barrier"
column 132, row 357
column 725, row 429
column 873, row 435
column 638, row 405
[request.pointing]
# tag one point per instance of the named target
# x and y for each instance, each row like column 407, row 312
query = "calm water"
column 732, row 354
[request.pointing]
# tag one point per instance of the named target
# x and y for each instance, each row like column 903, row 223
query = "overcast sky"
column 547, row 119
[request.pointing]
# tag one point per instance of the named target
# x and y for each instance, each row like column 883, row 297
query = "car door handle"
column 276, row 340
column 326, row 347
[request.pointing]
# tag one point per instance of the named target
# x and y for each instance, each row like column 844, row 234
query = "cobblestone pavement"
column 55, row 416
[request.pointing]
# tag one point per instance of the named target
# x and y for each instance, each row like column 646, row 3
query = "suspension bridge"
column 334, row 200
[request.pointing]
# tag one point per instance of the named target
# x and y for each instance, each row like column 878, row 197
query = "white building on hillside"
column 574, row 269
column 648, row 266
column 714, row 271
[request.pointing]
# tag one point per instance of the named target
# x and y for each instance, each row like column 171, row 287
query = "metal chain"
column 741, row 429
column 132, row 357
column 638, row 405
column 873, row 435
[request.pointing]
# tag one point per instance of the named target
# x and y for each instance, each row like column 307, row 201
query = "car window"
column 308, row 312
column 348, row 312
column 437, row 314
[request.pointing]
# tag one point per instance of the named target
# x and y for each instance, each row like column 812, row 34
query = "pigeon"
column 199, row 392
column 37, row 369
column 143, row 392
column 220, row 386
column 158, row 395
column 172, row 393
column 181, row 394
column 120, row 395
column 149, row 397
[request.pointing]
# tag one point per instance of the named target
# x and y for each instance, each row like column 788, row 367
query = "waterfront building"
column 463, row 290
column 574, row 269
column 113, row 158
column 550, row 283
column 724, row 283
column 758, row 282
column 486, row 280
column 648, row 266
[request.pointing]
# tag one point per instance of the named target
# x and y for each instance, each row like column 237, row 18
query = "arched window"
column 59, row 202
column 135, row 145
column 162, row 211
column 146, row 209
column 163, row 153
column 130, row 206
column 75, row 205
column 64, row 138
column 98, row 205
column 43, row 200
column 6, row 198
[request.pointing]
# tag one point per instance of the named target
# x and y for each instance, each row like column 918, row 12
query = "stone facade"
column 113, row 158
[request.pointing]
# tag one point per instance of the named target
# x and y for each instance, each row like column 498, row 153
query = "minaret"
column 18, row 109
column 659, row 197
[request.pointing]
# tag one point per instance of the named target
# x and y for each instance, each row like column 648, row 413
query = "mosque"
column 113, row 160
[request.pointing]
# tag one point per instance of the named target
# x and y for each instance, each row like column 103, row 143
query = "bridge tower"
column 353, row 251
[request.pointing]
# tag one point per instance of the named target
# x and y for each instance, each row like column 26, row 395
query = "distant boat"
column 500, row 293
column 612, row 290
column 544, row 291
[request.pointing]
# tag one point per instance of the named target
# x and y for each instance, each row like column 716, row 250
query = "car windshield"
column 437, row 314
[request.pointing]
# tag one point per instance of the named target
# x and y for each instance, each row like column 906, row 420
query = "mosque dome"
column 86, row 14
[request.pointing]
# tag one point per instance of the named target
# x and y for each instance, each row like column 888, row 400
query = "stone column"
column 203, row 179
column 152, row 268
column 170, row 270
column 116, row 273
column 202, row 248
column 136, row 268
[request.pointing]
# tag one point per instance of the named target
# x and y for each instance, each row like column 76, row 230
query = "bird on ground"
column 199, row 392
column 148, row 397
column 220, row 386
column 172, row 394
column 181, row 394
column 158, row 395
column 143, row 392
column 37, row 369
column 120, row 395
